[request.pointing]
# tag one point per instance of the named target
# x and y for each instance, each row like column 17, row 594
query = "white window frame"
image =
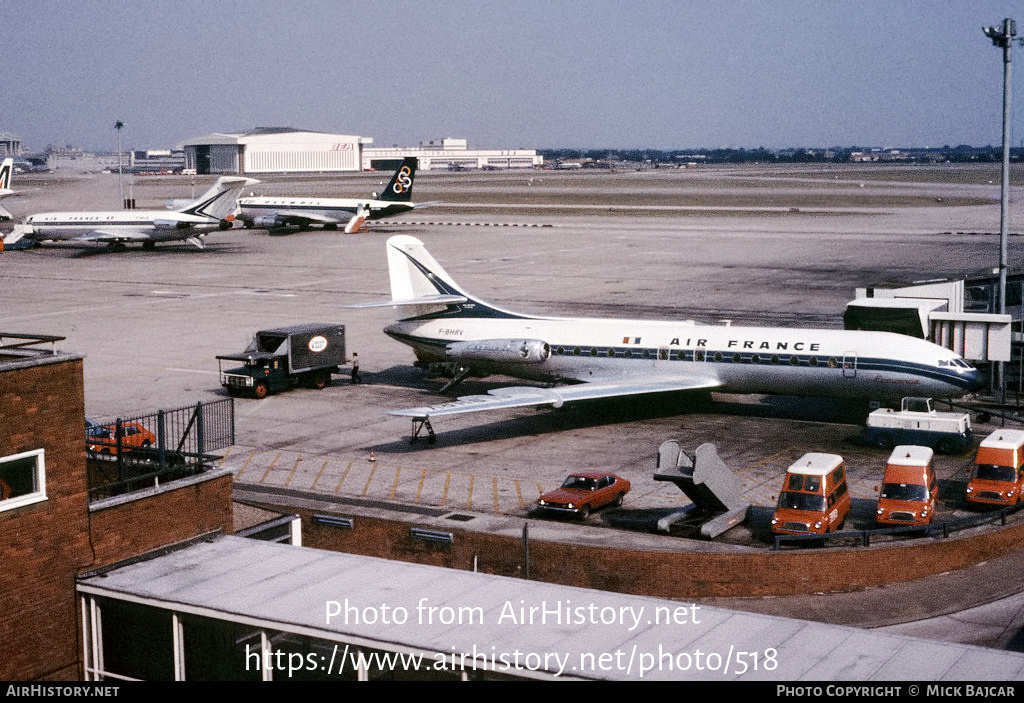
column 37, row 496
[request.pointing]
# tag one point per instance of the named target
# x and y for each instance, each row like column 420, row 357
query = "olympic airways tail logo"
column 403, row 181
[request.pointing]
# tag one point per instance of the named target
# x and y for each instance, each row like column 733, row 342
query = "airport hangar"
column 286, row 150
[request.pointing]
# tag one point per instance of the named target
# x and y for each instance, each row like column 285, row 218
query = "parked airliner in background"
column 605, row 358
column 277, row 213
column 6, row 169
column 213, row 210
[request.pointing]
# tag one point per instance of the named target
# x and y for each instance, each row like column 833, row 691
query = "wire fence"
column 133, row 453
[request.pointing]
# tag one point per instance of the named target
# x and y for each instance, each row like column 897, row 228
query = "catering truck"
column 285, row 357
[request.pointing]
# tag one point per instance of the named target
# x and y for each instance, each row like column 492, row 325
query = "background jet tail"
column 399, row 190
column 221, row 200
column 6, row 168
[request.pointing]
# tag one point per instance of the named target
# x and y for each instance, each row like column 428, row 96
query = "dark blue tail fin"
column 400, row 188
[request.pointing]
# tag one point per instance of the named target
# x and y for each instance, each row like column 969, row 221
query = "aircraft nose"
column 975, row 382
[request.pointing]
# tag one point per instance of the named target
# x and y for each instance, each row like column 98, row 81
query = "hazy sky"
column 661, row 74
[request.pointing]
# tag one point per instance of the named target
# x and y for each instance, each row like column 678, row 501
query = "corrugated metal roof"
column 556, row 630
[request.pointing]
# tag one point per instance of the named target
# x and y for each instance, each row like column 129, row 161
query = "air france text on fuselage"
column 750, row 344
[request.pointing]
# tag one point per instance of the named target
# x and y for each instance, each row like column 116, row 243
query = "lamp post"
column 118, row 126
column 1003, row 37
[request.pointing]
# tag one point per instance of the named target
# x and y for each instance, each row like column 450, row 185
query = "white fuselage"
column 336, row 210
column 789, row 361
column 160, row 225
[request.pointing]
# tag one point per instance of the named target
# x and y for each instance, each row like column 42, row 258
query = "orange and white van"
column 998, row 474
column 910, row 493
column 814, row 497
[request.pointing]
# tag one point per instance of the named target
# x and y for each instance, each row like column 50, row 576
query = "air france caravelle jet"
column 6, row 169
column 213, row 210
column 276, row 213
column 605, row 358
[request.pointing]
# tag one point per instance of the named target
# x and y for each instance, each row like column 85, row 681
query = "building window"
column 22, row 479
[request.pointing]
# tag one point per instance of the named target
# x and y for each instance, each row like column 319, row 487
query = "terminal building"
column 285, row 150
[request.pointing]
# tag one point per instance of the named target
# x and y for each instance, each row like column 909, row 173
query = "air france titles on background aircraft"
column 604, row 358
column 213, row 210
column 6, row 169
column 276, row 213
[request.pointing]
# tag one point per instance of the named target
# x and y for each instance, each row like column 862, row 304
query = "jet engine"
column 266, row 222
column 520, row 351
column 171, row 224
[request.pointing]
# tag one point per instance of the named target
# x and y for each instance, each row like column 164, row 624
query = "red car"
column 584, row 492
column 102, row 439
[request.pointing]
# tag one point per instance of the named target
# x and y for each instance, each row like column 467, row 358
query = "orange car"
column 585, row 491
column 103, row 440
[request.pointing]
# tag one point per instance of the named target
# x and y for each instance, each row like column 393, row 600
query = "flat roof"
column 815, row 464
column 550, row 630
column 1004, row 439
column 911, row 455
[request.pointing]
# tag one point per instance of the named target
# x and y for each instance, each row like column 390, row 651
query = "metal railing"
column 130, row 454
column 864, row 537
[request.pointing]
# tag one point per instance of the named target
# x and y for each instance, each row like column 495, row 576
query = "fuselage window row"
column 701, row 355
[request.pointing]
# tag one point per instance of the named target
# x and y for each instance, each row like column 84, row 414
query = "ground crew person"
column 356, row 378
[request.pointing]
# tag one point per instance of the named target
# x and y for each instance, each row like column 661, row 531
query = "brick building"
column 52, row 531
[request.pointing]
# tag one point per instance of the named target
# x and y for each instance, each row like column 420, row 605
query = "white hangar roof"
column 265, row 136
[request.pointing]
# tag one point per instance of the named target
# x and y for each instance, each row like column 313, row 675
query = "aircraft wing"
column 5, row 215
column 526, row 396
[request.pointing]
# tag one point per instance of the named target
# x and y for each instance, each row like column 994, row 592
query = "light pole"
column 1003, row 37
column 118, row 126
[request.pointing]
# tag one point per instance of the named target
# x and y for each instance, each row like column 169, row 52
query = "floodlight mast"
column 1003, row 37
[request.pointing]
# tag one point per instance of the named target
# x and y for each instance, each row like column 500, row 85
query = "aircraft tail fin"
column 6, row 169
column 418, row 280
column 221, row 201
column 399, row 190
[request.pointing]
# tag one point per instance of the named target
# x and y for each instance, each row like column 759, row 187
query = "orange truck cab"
column 998, row 474
column 910, row 492
column 814, row 497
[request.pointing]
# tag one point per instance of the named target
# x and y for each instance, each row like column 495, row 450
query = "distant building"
column 157, row 161
column 10, row 144
column 274, row 150
column 451, row 154
column 286, row 150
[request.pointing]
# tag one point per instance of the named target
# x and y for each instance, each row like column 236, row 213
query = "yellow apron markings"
column 519, row 492
column 369, row 479
column 320, row 473
column 394, row 484
column 419, row 489
column 344, row 475
column 507, row 493
column 295, row 467
column 270, row 468
column 225, row 457
column 447, row 482
column 245, row 465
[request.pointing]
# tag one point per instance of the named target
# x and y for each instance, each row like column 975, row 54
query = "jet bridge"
column 718, row 503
